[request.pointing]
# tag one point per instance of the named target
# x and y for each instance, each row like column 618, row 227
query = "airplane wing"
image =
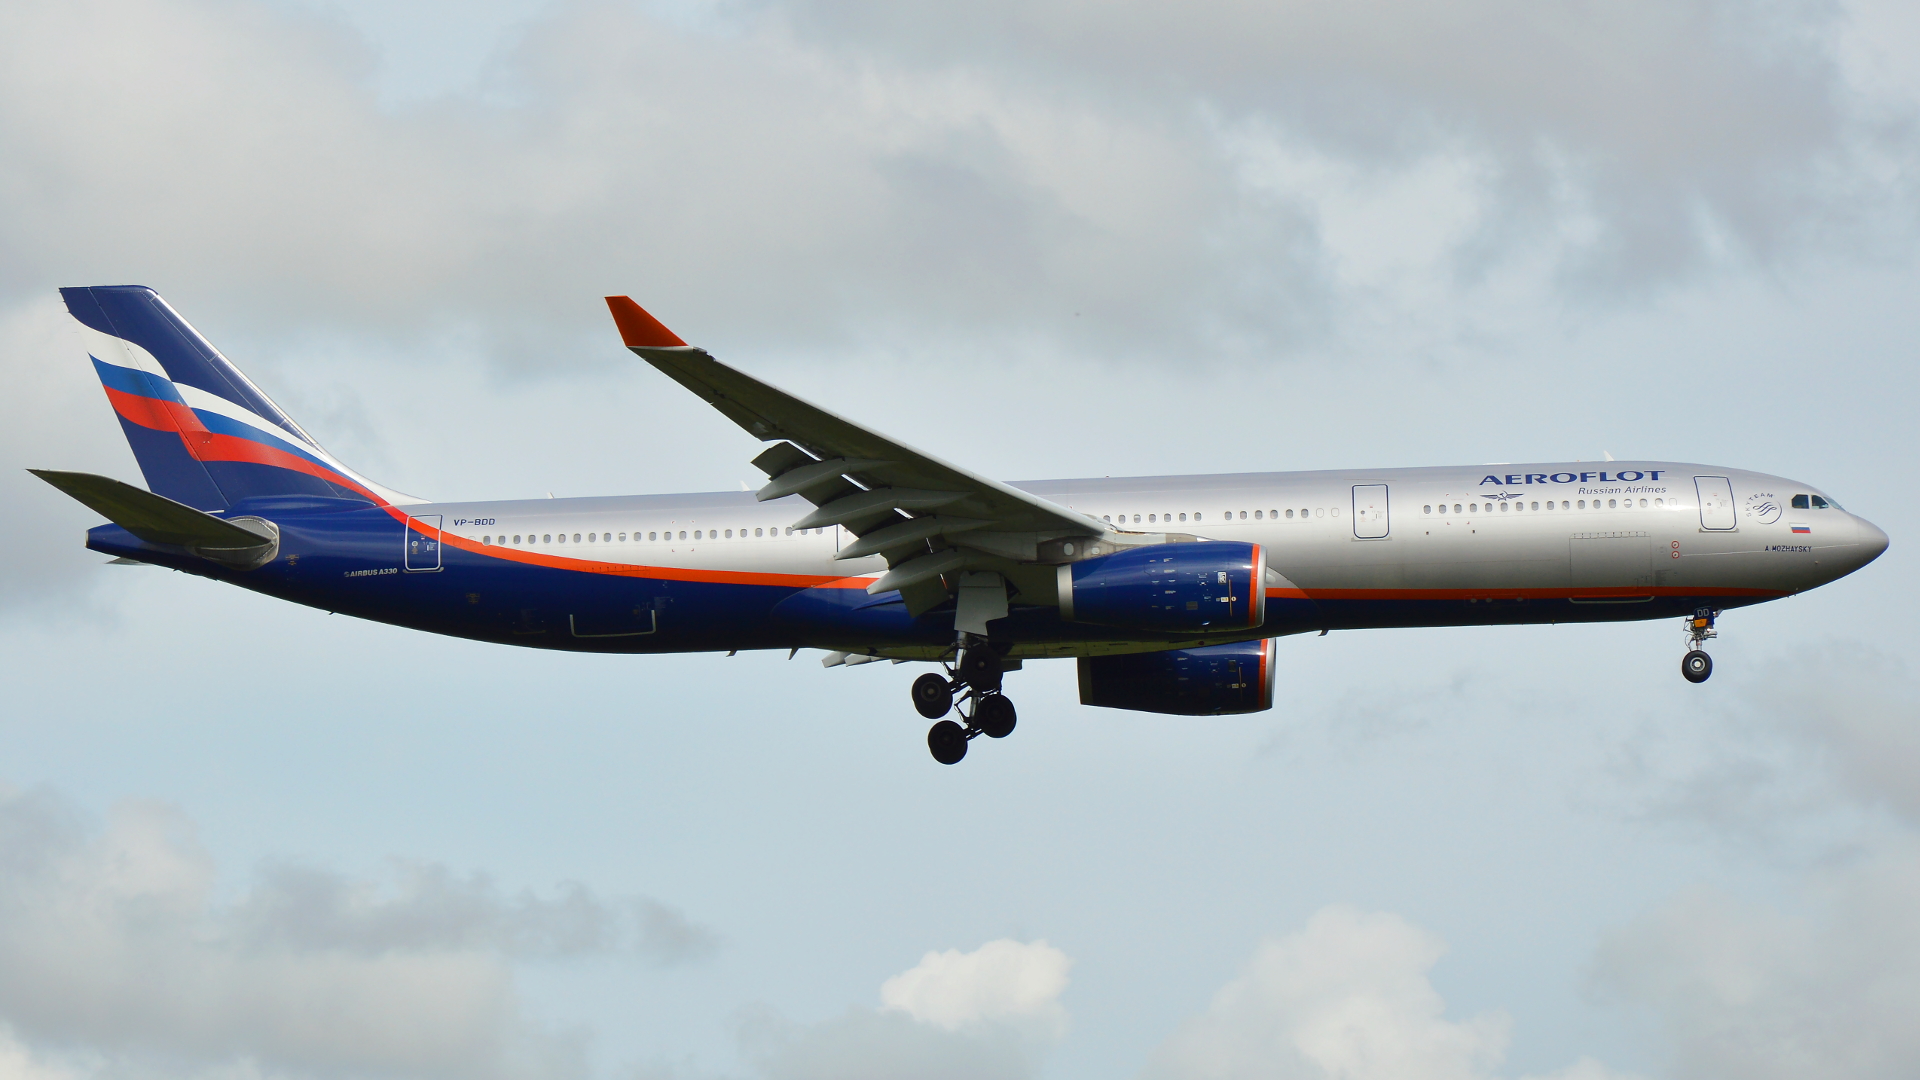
column 928, row 518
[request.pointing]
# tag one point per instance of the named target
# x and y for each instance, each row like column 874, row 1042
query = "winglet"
column 639, row 329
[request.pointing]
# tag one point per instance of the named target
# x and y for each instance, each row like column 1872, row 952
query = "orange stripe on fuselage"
column 661, row 573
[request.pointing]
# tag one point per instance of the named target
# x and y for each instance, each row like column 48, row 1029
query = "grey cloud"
column 1755, row 992
column 1676, row 120
column 1828, row 732
column 428, row 907
column 809, row 174
column 111, row 942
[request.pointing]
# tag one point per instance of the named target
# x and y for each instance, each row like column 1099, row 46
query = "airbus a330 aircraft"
column 1169, row 591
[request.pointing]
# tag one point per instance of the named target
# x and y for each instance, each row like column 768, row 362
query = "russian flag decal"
column 1801, row 528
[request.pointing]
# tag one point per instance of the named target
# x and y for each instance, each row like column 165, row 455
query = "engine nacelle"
column 1207, row 585
column 1215, row 681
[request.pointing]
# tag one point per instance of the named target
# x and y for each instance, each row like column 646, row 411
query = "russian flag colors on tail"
column 203, row 434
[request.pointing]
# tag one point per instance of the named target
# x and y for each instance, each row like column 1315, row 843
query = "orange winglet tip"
column 639, row 328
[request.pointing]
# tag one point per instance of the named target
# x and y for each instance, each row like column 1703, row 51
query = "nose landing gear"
column 1697, row 666
column 975, row 677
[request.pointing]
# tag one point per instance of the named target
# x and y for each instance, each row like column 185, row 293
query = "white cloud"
column 1346, row 998
column 111, row 941
column 18, row 1062
column 989, row 1014
column 1004, row 980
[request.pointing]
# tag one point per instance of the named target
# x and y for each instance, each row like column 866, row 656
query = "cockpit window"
column 1819, row 503
column 1800, row 502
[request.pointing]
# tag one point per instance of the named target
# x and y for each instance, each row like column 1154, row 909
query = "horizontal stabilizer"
column 154, row 518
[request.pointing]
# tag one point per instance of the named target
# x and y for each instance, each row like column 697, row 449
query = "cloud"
column 1003, row 981
column 857, row 173
column 982, row 1015
column 1346, row 998
column 1757, row 991
column 111, row 941
column 427, row 906
column 1825, row 748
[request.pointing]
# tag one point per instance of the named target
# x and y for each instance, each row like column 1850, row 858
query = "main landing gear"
column 974, row 678
column 1697, row 665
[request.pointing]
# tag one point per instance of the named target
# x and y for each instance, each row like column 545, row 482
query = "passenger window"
column 1321, row 511
column 1243, row 515
column 1473, row 508
column 1503, row 508
column 1819, row 503
column 1274, row 514
column 1150, row 518
column 683, row 534
column 1536, row 506
column 1183, row 517
column 1259, row 515
column 1428, row 509
column 1800, row 503
column 1289, row 514
column 1196, row 517
column 516, row 538
column 547, row 538
column 1136, row 519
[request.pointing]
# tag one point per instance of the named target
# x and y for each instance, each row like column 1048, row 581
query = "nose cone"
column 1872, row 540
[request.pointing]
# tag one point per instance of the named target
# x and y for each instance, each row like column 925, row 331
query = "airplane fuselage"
column 1496, row 544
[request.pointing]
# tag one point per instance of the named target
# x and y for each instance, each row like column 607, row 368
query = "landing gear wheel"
column 948, row 741
column 933, row 696
column 994, row 716
column 1696, row 666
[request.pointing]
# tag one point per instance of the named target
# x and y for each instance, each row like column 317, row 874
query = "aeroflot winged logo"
column 1625, row 476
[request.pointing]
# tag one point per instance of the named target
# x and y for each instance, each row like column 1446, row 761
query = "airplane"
column 1169, row 592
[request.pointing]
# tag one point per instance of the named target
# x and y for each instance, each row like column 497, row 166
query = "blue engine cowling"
column 1206, row 585
column 1214, row 681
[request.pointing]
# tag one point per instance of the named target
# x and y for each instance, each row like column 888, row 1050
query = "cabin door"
column 1370, row 511
column 423, row 542
column 1716, row 502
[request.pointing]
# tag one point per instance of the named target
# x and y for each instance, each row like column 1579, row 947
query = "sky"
column 241, row 839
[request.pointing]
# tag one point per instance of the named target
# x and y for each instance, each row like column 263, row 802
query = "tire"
column 994, row 716
column 932, row 696
column 948, row 742
column 1696, row 666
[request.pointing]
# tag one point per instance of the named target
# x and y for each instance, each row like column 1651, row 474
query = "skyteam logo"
column 1763, row 508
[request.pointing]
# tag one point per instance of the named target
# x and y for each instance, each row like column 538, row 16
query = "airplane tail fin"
column 203, row 434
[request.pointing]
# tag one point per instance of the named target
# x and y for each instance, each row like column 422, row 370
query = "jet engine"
column 1215, row 681
column 1206, row 585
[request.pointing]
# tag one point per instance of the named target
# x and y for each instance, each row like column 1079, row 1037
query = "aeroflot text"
column 1627, row 477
